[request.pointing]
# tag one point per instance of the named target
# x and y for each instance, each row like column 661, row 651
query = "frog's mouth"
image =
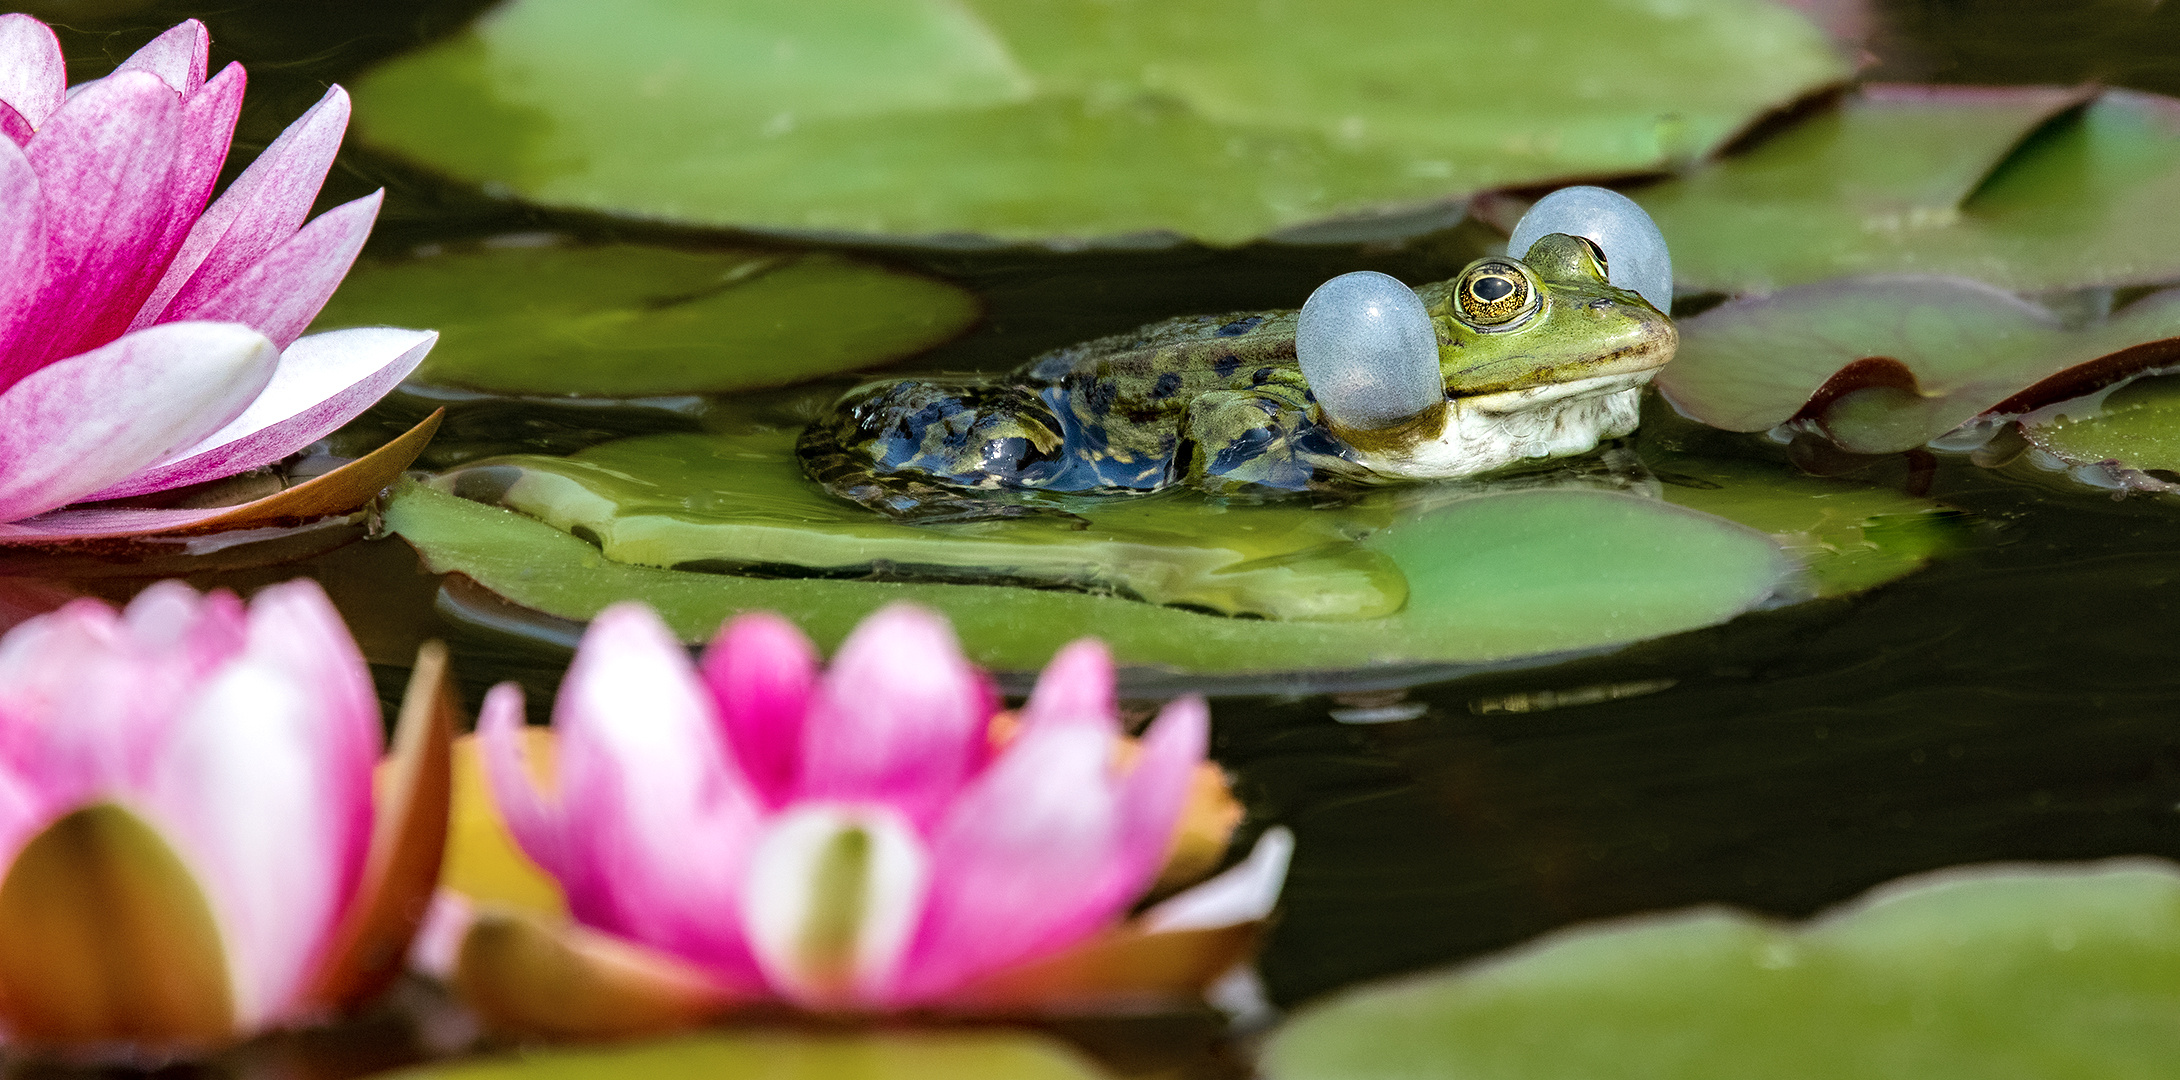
column 1481, row 432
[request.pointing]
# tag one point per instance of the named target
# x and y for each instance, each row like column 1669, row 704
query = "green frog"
column 1538, row 357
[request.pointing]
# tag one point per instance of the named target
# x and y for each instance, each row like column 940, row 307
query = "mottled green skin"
column 1218, row 403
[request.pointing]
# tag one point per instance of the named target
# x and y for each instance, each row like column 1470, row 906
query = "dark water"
column 2018, row 700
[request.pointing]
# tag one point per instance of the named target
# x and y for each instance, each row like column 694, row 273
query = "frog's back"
column 1122, row 400
column 1102, row 415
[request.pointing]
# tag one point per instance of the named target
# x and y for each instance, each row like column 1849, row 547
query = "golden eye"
column 1493, row 295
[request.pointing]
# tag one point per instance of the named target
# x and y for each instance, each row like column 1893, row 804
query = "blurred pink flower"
column 192, row 845
column 853, row 840
column 147, row 341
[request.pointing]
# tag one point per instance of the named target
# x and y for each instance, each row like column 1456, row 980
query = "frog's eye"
column 1495, row 295
column 1597, row 253
column 1616, row 227
column 1368, row 350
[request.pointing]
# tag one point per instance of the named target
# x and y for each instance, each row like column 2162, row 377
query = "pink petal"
column 1018, row 858
column 105, row 164
column 762, row 672
column 258, row 212
column 281, row 292
column 659, row 820
column 241, row 789
column 901, row 718
column 533, row 818
column 177, row 57
column 322, row 382
column 208, row 129
column 88, row 421
column 294, row 628
column 1156, row 791
column 33, row 77
column 1076, row 686
column 1048, row 846
column 88, row 709
column 22, row 241
column 201, row 630
column 12, row 125
column 24, row 812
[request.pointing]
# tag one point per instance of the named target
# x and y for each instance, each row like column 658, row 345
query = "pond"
column 1970, row 663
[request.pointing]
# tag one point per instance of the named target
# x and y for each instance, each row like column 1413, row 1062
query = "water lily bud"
column 192, row 847
column 1368, row 350
column 872, row 837
column 1635, row 254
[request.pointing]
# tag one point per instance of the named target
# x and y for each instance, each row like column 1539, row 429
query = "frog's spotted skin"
column 1219, row 403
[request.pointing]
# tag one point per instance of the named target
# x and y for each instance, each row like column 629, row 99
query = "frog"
column 1539, row 357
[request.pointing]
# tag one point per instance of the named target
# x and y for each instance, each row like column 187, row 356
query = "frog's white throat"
column 1492, row 431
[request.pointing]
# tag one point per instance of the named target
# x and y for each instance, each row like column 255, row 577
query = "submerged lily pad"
column 740, row 504
column 1223, row 120
column 2127, row 437
column 1489, row 578
column 2002, row 185
column 939, row 1055
column 1883, row 364
column 1994, row 974
column 626, row 320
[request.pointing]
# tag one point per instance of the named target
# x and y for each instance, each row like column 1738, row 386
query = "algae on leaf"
column 1069, row 120
column 2002, row 973
column 629, row 320
column 2016, row 187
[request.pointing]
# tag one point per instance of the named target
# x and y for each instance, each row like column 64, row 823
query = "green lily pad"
column 1223, row 120
column 1998, row 974
column 759, row 1053
column 2001, row 185
column 2126, row 437
column 1847, row 537
column 1488, row 578
column 626, row 320
column 1882, row 364
column 740, row 504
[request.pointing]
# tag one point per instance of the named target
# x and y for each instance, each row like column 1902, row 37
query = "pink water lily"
column 861, row 839
column 148, row 341
column 192, row 845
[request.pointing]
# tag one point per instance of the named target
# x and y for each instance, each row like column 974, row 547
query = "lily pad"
column 627, row 320
column 1847, row 537
column 805, row 1056
column 2126, row 437
column 1887, row 363
column 2003, row 185
column 2004, row 973
column 1489, row 578
column 1222, row 120
column 740, row 504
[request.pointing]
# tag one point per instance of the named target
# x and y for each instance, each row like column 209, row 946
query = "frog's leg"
column 1260, row 437
column 934, row 452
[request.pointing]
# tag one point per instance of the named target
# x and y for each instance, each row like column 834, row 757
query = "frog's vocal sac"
column 1537, row 357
